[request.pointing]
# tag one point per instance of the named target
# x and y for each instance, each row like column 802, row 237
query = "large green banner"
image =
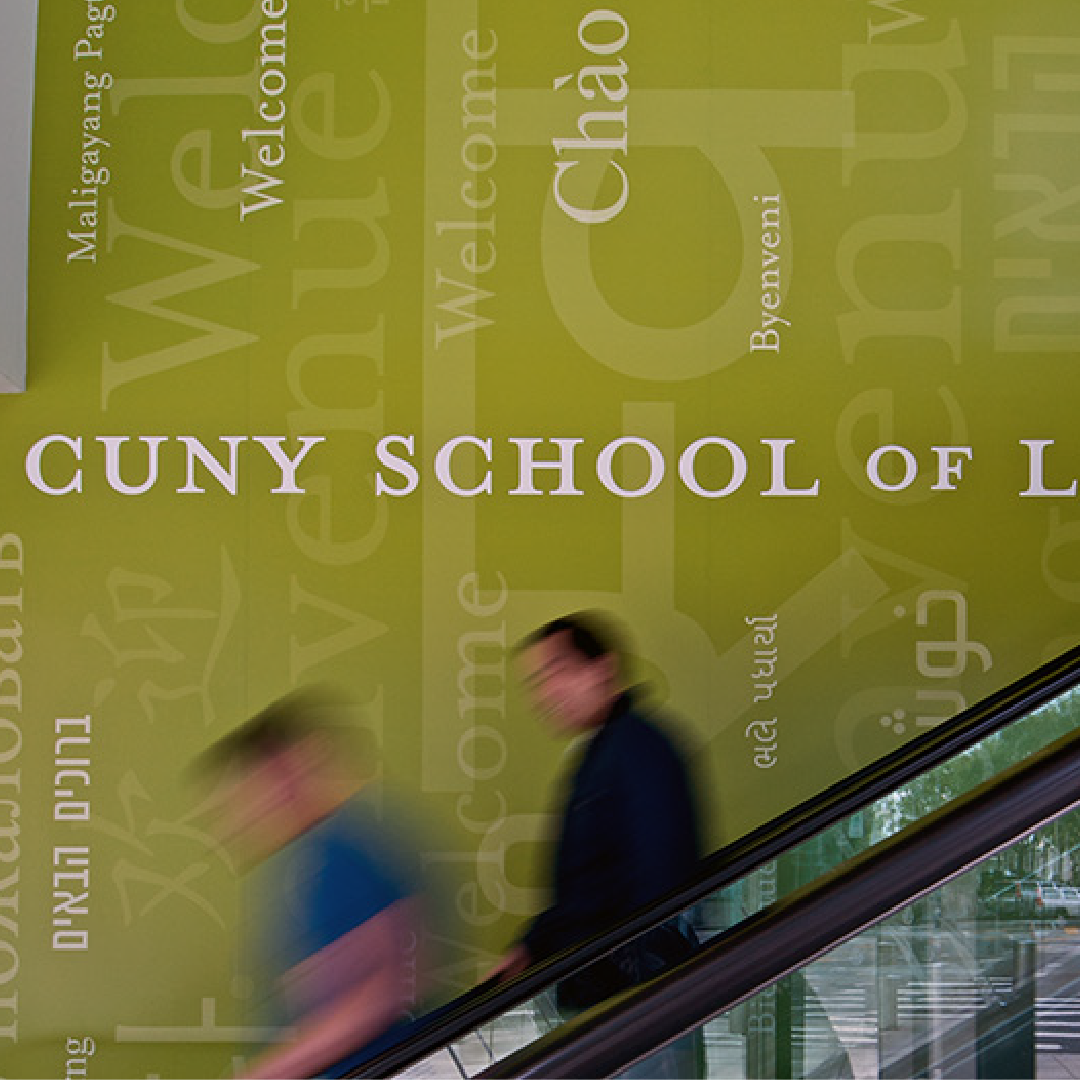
column 366, row 335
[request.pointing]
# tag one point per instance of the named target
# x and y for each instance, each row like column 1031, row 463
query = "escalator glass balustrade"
column 975, row 933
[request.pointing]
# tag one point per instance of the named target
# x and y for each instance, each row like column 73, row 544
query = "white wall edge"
column 17, row 53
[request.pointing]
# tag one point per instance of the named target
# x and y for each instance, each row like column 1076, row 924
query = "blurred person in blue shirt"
column 338, row 905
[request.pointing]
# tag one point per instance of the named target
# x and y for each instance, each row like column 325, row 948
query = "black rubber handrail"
column 764, row 844
column 744, row 961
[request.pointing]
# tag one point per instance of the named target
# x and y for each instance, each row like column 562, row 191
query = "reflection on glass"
column 979, row 979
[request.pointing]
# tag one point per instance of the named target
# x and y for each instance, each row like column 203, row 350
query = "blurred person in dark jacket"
column 629, row 831
column 337, row 907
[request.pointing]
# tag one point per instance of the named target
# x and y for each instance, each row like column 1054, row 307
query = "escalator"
column 917, row 919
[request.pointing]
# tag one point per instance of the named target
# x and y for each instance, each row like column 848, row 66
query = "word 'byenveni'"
column 711, row 467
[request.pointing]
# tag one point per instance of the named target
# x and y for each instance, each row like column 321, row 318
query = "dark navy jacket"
column 629, row 834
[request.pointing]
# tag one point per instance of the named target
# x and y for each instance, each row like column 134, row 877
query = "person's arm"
column 364, row 981
column 587, row 890
column 512, row 962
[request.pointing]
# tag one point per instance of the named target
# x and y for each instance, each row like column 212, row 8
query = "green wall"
column 725, row 252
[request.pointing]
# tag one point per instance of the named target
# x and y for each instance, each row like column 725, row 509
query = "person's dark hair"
column 592, row 634
column 279, row 727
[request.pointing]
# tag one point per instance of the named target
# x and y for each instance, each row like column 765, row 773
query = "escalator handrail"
column 758, row 847
column 749, row 958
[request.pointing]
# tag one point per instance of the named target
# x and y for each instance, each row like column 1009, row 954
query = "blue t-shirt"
column 326, row 882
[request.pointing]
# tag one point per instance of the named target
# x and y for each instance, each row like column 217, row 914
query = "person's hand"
column 512, row 963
